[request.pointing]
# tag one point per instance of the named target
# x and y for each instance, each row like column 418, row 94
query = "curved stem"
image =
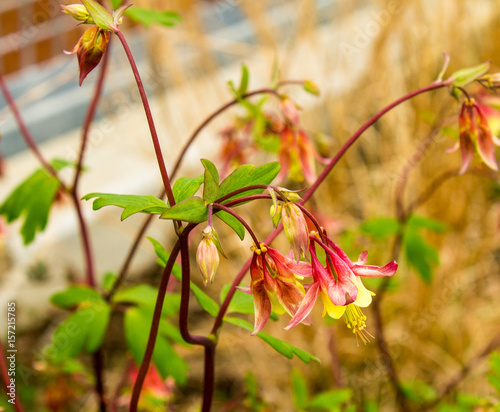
column 153, row 333
column 30, row 142
column 6, row 380
column 90, row 116
column 237, row 216
column 149, row 116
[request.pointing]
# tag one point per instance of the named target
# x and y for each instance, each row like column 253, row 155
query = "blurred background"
column 362, row 55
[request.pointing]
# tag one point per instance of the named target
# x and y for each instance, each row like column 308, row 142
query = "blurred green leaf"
column 299, row 390
column 240, row 303
column 278, row 345
column 108, row 281
column 450, row 131
column 311, row 87
column 244, row 80
column 418, row 391
column 420, row 254
column 131, row 204
column 186, row 187
column 494, row 375
column 32, row 199
column 380, row 227
column 82, row 330
column 147, row 17
column 145, row 296
column 247, row 175
column 331, row 400
column 167, row 361
column 116, row 3
column 420, row 222
column 74, row 296
column 193, row 210
column 210, row 182
column 465, row 76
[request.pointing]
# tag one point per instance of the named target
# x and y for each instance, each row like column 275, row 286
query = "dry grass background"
column 434, row 329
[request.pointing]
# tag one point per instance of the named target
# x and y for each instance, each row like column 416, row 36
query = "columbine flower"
column 295, row 226
column 475, row 135
column 274, row 284
column 207, row 255
column 339, row 287
column 90, row 49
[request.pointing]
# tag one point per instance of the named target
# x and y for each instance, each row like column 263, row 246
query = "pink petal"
column 342, row 293
column 245, row 289
column 362, row 258
column 262, row 306
column 467, row 149
column 305, row 307
column 486, row 147
column 375, row 271
column 289, row 295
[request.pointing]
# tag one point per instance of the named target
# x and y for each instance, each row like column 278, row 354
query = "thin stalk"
column 153, row 333
column 89, row 117
column 149, row 117
column 6, row 380
column 242, row 221
column 99, row 384
column 30, row 142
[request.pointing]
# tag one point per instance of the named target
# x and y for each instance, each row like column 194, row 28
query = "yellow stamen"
column 355, row 320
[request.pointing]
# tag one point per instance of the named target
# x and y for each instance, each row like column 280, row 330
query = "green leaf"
column 211, row 181
column 331, row 399
column 420, row 254
column 145, row 296
column 116, row 3
column 465, row 76
column 108, row 281
column 247, row 175
column 278, row 345
column 147, row 17
column 32, row 199
column 240, row 303
column 131, row 204
column 167, row 361
column 419, row 391
column 186, row 187
column 205, row 301
column 299, row 390
column 244, row 80
column 232, row 222
column 311, row 87
column 380, row 227
column 417, row 222
column 494, row 375
column 100, row 15
column 82, row 330
column 75, row 295
column 193, row 210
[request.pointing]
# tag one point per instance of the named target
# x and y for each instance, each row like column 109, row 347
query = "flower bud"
column 295, row 226
column 290, row 111
column 78, row 12
column 491, row 80
column 90, row 49
column 207, row 255
column 275, row 212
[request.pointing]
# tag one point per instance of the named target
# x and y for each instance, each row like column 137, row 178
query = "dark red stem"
column 149, row 116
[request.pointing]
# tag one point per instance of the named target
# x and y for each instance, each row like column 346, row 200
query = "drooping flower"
column 90, row 49
column 296, row 230
column 475, row 135
column 339, row 286
column 274, row 284
column 207, row 255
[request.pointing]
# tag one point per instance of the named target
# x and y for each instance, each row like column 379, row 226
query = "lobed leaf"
column 102, row 18
column 193, row 210
column 210, row 182
column 186, row 187
column 232, row 222
column 247, row 175
column 74, row 296
column 131, row 204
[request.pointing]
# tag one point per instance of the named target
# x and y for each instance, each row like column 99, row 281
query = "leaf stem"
column 149, row 117
column 237, row 216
